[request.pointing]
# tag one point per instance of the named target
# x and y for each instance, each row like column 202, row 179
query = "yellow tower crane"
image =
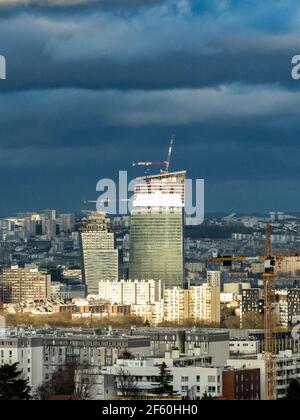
column 270, row 322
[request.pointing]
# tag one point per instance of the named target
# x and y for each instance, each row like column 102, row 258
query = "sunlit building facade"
column 157, row 229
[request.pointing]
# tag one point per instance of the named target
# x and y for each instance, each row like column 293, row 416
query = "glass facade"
column 156, row 247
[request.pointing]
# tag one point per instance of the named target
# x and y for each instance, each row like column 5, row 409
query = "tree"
column 163, row 386
column 84, row 382
column 206, row 397
column 12, row 384
column 232, row 322
column 128, row 385
column 253, row 320
column 293, row 392
column 72, row 380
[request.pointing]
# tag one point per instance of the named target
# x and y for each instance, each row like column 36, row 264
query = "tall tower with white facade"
column 157, row 229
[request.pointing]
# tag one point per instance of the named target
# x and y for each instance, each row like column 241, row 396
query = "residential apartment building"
column 214, row 278
column 188, row 374
column 289, row 306
column 176, row 305
column 239, row 385
column 197, row 304
column 22, row 284
column 195, row 341
column 288, row 368
column 130, row 292
column 252, row 302
column 42, row 353
column 204, row 303
column 28, row 353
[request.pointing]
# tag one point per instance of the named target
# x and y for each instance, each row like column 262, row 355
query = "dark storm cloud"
column 92, row 87
column 156, row 48
column 85, row 111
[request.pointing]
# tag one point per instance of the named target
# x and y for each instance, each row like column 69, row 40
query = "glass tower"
column 157, row 229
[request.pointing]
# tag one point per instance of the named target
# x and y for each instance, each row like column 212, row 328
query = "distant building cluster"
column 202, row 319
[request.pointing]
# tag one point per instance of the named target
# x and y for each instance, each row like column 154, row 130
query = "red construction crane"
column 165, row 164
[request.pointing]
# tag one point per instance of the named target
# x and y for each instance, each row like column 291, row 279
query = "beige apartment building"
column 23, row 284
column 197, row 304
column 290, row 266
column 176, row 305
column 204, row 304
column 98, row 253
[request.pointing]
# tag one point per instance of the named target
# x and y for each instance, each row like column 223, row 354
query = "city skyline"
column 92, row 87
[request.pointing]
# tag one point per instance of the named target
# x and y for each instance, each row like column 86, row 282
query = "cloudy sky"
column 93, row 85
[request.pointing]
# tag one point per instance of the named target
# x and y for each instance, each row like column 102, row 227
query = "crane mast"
column 270, row 320
column 270, row 323
column 165, row 164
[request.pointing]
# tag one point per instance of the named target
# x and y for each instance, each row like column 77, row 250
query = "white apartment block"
column 244, row 347
column 28, row 353
column 188, row 374
column 144, row 297
column 130, row 292
column 288, row 306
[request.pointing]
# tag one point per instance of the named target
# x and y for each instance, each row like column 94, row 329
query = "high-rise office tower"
column 99, row 256
column 157, row 229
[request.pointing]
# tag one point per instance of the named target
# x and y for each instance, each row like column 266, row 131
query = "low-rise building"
column 288, row 368
column 194, row 341
column 42, row 353
column 188, row 374
column 243, row 347
column 239, row 385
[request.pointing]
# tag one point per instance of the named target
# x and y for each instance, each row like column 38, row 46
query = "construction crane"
column 270, row 344
column 165, row 164
column 270, row 320
column 106, row 201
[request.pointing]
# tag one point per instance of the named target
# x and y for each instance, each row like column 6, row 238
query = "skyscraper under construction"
column 157, row 229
